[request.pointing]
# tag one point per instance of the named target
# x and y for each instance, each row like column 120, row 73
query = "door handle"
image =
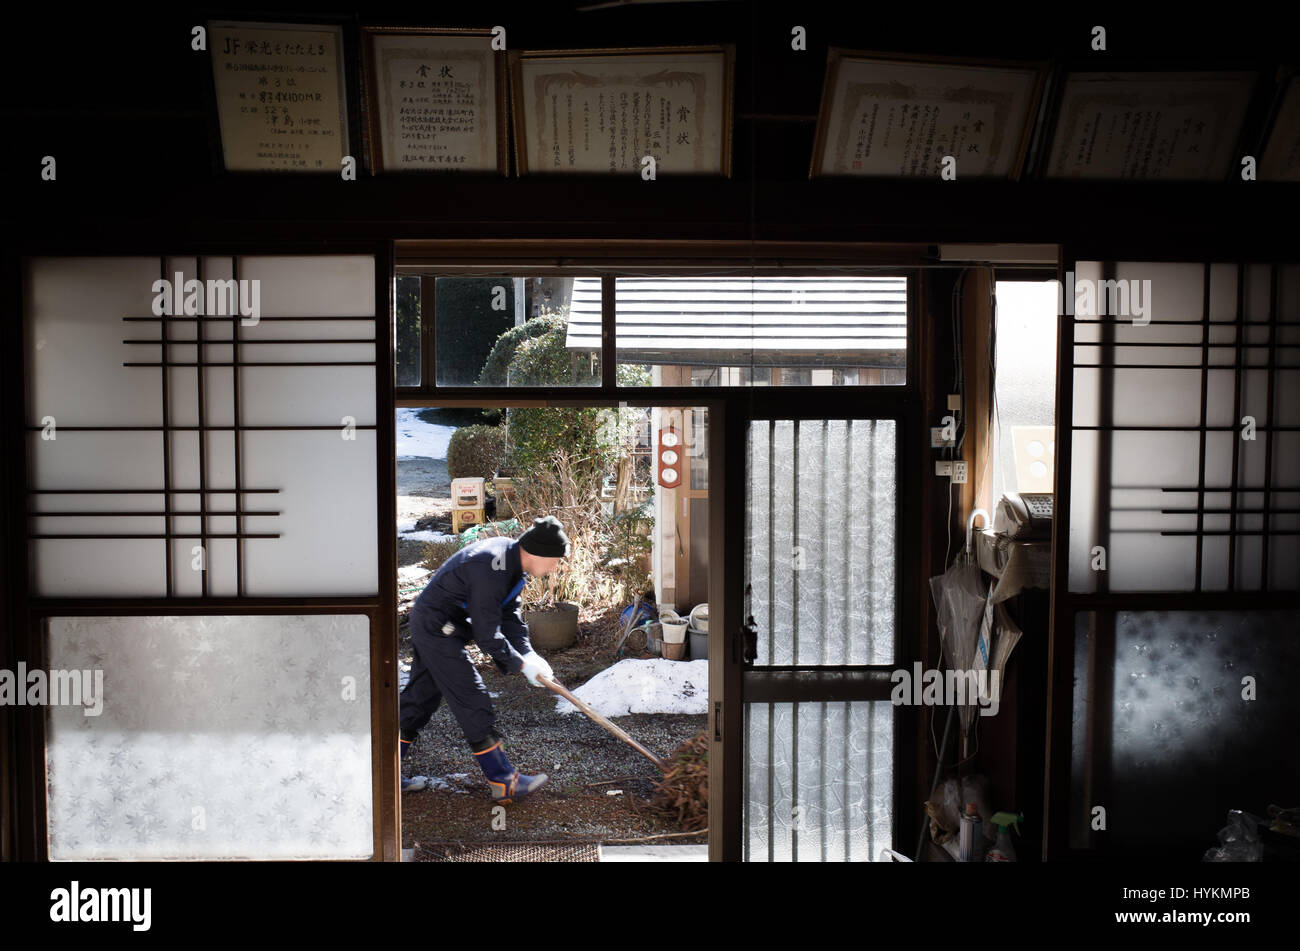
column 749, row 631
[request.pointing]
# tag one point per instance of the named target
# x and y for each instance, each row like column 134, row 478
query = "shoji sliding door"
column 203, row 455
column 1176, row 588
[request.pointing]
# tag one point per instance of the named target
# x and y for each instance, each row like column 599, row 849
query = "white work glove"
column 535, row 664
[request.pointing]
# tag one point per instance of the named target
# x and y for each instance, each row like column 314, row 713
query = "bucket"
column 654, row 639
column 674, row 632
column 674, row 651
column 699, row 645
column 700, row 617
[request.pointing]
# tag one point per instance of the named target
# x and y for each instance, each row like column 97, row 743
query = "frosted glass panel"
column 819, row 781
column 1180, row 743
column 823, row 590
column 310, row 480
column 219, row 737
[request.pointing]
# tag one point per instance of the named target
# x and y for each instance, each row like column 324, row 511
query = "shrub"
column 475, row 452
column 593, row 437
column 497, row 365
column 435, row 553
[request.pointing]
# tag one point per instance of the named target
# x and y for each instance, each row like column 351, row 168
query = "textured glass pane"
column 731, row 330
column 818, row 782
column 820, row 541
column 1167, row 736
column 409, row 335
column 218, row 737
column 76, row 325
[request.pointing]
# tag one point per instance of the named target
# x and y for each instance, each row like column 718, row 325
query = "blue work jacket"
column 475, row 593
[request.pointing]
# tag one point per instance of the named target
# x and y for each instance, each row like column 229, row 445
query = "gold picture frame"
column 1279, row 152
column 709, row 139
column 273, row 114
column 385, row 156
column 996, row 102
column 1171, row 108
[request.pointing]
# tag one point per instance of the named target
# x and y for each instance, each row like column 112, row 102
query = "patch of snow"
column 410, row 574
column 406, row 528
column 452, row 782
column 645, row 686
column 415, row 437
column 427, row 536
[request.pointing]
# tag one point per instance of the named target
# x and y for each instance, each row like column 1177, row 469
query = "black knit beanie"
column 546, row 539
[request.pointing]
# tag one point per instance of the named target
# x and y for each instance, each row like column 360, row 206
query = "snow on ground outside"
column 645, row 686
column 412, row 574
column 406, row 528
column 452, row 782
column 415, row 437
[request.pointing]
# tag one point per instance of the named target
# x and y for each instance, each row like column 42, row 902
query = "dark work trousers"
column 442, row 670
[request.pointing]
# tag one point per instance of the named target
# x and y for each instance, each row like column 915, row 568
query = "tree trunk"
column 624, row 487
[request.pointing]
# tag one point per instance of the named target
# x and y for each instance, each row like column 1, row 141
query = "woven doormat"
column 507, row 852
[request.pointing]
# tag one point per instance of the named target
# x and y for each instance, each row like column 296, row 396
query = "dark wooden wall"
column 117, row 95
column 119, row 99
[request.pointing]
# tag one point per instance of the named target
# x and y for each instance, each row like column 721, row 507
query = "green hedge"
column 503, row 351
column 475, row 452
column 535, row 354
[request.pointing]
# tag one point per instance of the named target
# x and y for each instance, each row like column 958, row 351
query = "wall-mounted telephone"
column 1024, row 515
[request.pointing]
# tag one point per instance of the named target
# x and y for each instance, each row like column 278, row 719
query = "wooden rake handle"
column 593, row 715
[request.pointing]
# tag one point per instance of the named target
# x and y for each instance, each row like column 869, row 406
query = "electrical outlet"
column 936, row 439
column 959, row 472
column 942, row 467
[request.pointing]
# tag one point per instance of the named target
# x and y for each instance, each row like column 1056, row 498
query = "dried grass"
column 574, row 500
column 683, row 795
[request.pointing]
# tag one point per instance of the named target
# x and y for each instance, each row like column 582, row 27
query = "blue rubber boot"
column 507, row 782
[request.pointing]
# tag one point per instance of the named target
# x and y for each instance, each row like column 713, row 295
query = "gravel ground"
column 584, row 762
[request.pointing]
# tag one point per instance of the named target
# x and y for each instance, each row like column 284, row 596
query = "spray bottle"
column 1002, row 850
column 971, row 838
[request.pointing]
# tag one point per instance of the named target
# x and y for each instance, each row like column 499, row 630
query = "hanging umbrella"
column 960, row 597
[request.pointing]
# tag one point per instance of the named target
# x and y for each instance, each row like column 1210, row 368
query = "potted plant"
column 552, row 626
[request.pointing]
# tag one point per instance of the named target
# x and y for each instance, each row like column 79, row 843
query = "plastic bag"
column 490, row 530
column 1238, row 841
column 944, row 814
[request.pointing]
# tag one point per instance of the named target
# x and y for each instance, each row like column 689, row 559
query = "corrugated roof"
column 704, row 321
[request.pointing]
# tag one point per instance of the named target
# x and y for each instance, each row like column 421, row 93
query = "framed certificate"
column 1280, row 156
column 1145, row 126
column 887, row 115
column 281, row 96
column 435, row 101
column 605, row 110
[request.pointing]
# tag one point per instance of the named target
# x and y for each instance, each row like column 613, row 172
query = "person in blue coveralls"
column 475, row 594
